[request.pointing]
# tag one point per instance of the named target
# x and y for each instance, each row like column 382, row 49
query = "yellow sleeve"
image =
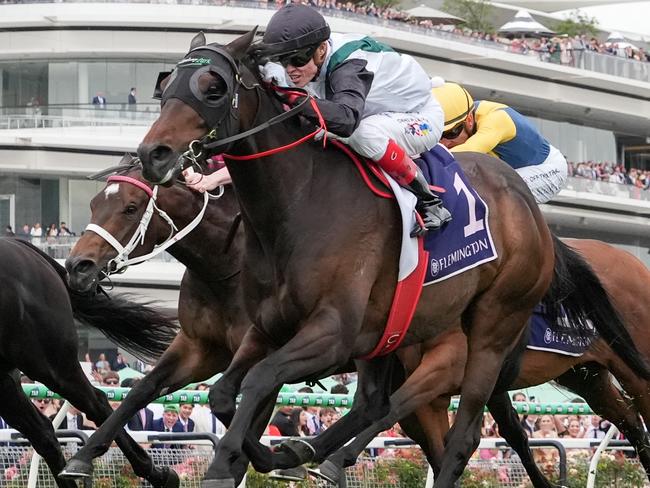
column 493, row 129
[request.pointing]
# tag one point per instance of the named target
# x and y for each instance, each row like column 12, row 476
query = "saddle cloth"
column 561, row 338
column 463, row 243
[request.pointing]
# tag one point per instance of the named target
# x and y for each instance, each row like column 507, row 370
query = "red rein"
column 322, row 127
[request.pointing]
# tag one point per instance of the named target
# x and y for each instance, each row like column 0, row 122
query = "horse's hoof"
column 224, row 483
column 77, row 469
column 330, row 472
column 171, row 478
column 299, row 449
column 299, row 473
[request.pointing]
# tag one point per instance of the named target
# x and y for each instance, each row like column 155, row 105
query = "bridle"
column 120, row 262
column 208, row 144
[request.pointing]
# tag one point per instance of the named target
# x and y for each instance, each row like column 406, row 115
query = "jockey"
column 496, row 129
column 373, row 99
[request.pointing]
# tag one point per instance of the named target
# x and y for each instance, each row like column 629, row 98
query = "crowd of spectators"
column 303, row 421
column 565, row 50
column 36, row 231
column 543, row 427
column 611, row 173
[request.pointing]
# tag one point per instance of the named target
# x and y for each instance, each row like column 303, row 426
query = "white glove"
column 274, row 71
column 333, row 137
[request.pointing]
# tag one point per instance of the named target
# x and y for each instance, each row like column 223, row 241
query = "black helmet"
column 293, row 28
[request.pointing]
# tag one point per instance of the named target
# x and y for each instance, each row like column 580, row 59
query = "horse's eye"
column 130, row 209
column 215, row 92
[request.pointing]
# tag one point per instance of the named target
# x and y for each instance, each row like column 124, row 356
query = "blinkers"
column 214, row 109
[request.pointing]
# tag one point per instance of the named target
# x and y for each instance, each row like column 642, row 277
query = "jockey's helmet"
column 293, row 30
column 456, row 102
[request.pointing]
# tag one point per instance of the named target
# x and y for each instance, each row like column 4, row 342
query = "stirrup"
column 427, row 219
column 418, row 229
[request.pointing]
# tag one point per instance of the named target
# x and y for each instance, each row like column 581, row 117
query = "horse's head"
column 118, row 218
column 199, row 103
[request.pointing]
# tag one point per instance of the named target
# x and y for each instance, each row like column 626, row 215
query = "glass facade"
column 34, row 84
column 579, row 143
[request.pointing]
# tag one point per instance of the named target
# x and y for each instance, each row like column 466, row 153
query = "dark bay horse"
column 210, row 336
column 38, row 336
column 210, row 309
column 627, row 280
column 321, row 260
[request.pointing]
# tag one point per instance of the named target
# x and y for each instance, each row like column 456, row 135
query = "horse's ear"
column 239, row 46
column 198, row 41
column 126, row 159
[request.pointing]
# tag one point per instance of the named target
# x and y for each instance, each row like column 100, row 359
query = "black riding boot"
column 429, row 206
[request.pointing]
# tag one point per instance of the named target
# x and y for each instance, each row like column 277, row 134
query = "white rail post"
column 593, row 466
column 429, row 483
column 36, row 458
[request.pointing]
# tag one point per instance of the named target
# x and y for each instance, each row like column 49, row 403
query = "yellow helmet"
column 456, row 102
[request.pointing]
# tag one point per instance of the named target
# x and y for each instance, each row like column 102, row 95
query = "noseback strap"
column 133, row 181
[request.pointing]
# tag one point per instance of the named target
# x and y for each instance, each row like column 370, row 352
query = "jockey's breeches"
column 546, row 179
column 415, row 132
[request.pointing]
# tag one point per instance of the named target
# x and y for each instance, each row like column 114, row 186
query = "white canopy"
column 617, row 38
column 436, row 16
column 524, row 24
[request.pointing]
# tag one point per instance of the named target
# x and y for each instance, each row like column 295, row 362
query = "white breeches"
column 545, row 180
column 415, row 132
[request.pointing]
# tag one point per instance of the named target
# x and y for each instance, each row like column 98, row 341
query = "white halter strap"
column 120, row 262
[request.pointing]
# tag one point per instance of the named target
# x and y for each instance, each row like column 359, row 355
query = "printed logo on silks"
column 561, row 337
column 465, row 242
column 418, row 128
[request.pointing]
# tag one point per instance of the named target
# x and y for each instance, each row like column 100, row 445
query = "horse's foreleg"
column 427, row 426
column 493, row 335
column 606, row 400
column 439, row 372
column 316, row 349
column 512, row 431
column 185, row 361
column 371, row 402
column 19, row 412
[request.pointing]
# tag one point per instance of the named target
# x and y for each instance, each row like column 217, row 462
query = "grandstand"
column 56, row 56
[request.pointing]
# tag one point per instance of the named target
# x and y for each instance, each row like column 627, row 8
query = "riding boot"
column 402, row 168
column 429, row 205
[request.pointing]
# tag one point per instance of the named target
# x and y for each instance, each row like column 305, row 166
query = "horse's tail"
column 139, row 328
column 577, row 291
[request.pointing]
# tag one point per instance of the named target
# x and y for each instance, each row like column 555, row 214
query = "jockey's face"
column 302, row 75
column 466, row 133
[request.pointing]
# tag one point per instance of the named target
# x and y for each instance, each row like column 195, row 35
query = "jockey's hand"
column 332, row 137
column 290, row 98
column 202, row 183
column 274, row 73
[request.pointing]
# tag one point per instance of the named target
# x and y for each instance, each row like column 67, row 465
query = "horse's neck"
column 202, row 251
column 271, row 188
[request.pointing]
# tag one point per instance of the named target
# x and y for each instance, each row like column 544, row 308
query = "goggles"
column 453, row 133
column 298, row 58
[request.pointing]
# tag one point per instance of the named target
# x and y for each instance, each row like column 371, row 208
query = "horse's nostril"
column 83, row 267
column 160, row 153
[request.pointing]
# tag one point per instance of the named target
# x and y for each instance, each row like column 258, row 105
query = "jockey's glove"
column 274, row 73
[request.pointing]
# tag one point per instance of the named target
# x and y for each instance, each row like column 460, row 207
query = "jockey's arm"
column 492, row 129
column 342, row 109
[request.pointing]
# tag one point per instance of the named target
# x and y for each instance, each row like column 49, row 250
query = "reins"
column 202, row 144
column 208, row 142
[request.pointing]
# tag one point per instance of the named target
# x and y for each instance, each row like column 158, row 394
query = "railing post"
column 36, row 458
column 593, row 465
